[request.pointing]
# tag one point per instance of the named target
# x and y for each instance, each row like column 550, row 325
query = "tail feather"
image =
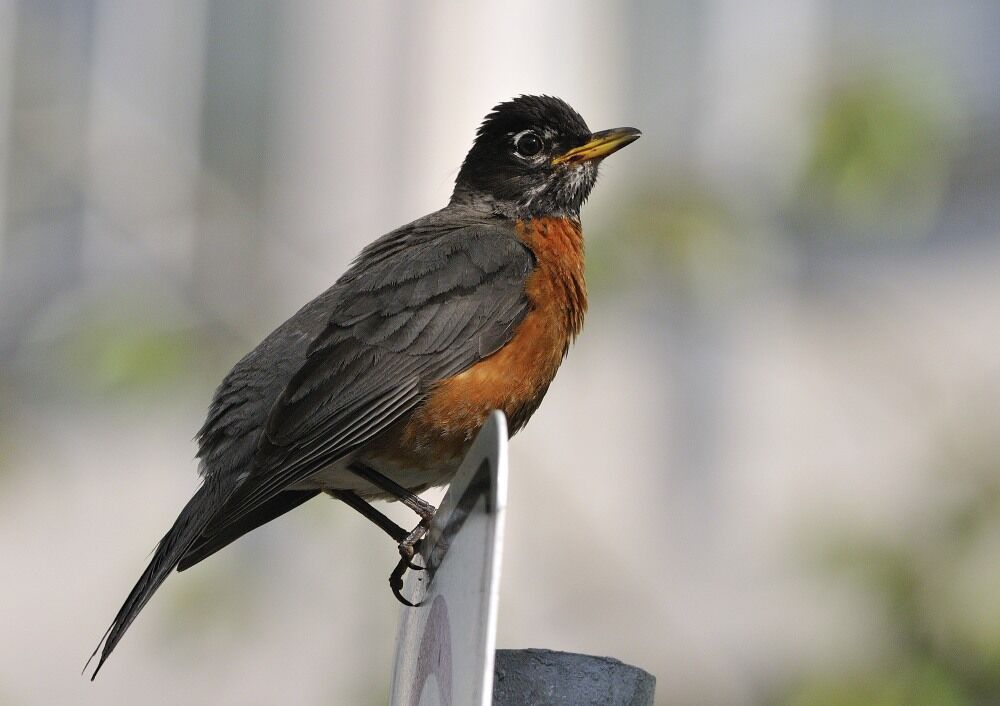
column 175, row 543
column 208, row 544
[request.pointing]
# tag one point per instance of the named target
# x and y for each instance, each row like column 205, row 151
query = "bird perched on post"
column 375, row 389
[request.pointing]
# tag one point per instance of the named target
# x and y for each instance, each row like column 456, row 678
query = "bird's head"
column 535, row 156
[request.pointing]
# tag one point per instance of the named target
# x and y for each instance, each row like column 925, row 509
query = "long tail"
column 186, row 529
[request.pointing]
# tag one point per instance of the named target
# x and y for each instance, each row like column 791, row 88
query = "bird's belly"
column 415, row 478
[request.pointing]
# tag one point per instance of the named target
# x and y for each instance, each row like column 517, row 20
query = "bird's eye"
column 528, row 144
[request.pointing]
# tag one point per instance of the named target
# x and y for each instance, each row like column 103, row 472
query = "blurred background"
column 769, row 471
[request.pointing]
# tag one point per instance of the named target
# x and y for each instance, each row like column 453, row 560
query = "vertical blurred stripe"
column 237, row 128
column 760, row 68
column 8, row 26
column 48, row 100
column 145, row 126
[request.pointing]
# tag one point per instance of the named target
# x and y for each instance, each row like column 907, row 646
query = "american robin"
column 375, row 389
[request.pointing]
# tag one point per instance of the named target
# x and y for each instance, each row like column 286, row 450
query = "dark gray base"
column 547, row 678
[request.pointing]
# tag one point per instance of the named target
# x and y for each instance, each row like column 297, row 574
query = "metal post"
column 547, row 678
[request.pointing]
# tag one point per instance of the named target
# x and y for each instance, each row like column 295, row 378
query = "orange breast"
column 515, row 378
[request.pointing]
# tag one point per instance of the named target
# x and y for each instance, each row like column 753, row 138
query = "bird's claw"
column 396, row 584
column 407, row 550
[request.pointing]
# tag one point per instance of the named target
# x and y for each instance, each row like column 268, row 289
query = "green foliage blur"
column 878, row 160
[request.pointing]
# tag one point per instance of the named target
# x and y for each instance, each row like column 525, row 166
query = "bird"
column 376, row 388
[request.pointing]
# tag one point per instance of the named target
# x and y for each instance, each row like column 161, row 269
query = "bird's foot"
column 408, row 547
column 407, row 550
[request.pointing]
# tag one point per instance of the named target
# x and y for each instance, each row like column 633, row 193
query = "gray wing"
column 420, row 305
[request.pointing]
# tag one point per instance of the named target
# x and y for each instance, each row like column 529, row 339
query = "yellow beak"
column 600, row 145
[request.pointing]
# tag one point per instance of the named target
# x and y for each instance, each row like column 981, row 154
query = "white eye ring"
column 528, row 144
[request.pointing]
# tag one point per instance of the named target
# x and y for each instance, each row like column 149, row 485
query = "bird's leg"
column 407, row 540
column 420, row 506
column 407, row 547
column 381, row 521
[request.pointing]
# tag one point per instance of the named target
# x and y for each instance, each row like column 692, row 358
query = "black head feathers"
column 511, row 166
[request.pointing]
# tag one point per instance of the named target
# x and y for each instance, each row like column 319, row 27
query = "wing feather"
column 403, row 319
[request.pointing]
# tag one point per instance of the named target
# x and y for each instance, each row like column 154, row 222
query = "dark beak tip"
column 630, row 133
column 622, row 136
column 620, row 133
